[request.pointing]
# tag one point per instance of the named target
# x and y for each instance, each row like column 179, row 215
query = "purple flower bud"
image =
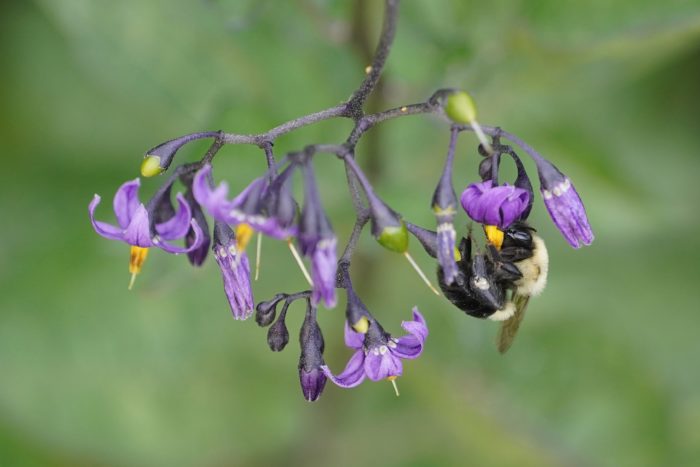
column 159, row 158
column 495, row 205
column 235, row 271
column 266, row 311
column 311, row 376
column 564, row 205
column 277, row 334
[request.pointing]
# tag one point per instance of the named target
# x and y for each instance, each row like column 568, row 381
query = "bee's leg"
column 513, row 254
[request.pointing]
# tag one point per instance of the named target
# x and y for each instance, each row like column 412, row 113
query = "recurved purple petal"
column 109, row 231
column 138, row 232
column 411, row 345
column 352, row 375
column 126, row 202
column 213, row 200
column 353, row 339
column 174, row 249
column 178, row 225
column 380, row 363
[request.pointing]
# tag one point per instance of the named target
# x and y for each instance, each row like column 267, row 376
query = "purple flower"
column 235, row 271
column 378, row 355
column 317, row 240
column 444, row 206
column 564, row 205
column 137, row 226
column 495, row 205
column 246, row 208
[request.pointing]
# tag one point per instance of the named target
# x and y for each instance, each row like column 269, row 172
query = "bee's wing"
column 509, row 327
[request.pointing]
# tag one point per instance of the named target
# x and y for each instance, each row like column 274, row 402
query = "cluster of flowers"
column 267, row 206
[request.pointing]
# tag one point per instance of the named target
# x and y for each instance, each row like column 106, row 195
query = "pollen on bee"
column 244, row 232
column 136, row 259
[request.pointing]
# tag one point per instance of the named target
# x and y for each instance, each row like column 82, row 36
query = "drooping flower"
column 246, row 208
column 378, row 355
column 235, row 271
column 137, row 225
column 564, row 204
column 317, row 241
column 311, row 375
column 495, row 205
column 444, row 206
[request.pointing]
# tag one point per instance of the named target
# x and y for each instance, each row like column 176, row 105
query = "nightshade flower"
column 137, row 224
column 246, row 208
column 445, row 206
column 378, row 355
column 564, row 204
column 495, row 205
column 235, row 271
column 311, row 375
column 317, row 241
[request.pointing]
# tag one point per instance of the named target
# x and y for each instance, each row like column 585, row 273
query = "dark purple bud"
column 277, row 334
column 266, row 311
column 311, row 377
column 279, row 202
column 159, row 158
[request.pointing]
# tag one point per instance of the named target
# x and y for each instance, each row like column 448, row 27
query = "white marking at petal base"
column 375, row 351
column 383, row 349
column 391, row 344
column 546, row 194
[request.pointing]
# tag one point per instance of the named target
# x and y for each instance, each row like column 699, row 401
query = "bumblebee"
column 497, row 284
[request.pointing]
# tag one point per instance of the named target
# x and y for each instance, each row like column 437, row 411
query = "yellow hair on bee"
column 534, row 269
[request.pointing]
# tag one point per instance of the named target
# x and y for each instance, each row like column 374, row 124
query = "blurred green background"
column 605, row 370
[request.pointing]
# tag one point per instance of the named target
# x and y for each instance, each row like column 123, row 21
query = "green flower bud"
column 459, row 106
column 150, row 166
column 394, row 238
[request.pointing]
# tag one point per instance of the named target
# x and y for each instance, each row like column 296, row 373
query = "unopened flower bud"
column 459, row 106
column 265, row 312
column 278, row 335
column 159, row 158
